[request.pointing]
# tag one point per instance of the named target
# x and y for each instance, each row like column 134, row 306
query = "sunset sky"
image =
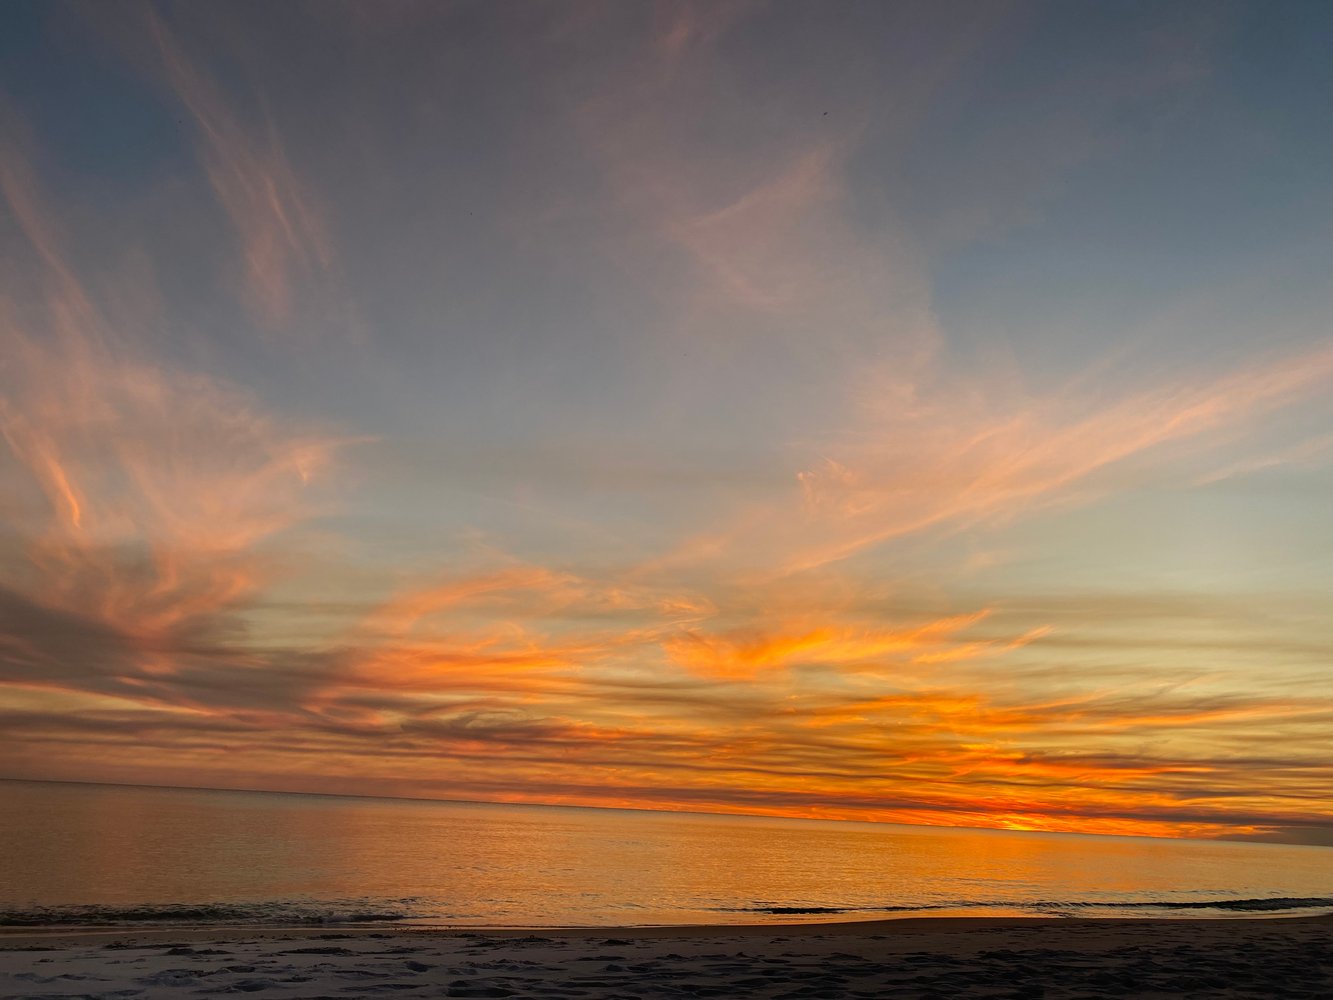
column 919, row 412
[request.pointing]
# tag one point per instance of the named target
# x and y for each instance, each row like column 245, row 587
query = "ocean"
column 128, row 855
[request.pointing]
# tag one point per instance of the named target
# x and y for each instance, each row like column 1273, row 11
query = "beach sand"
column 910, row 958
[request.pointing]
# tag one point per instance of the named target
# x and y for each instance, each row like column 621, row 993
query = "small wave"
column 1263, row 905
column 794, row 909
column 816, row 910
column 268, row 913
column 1258, row 905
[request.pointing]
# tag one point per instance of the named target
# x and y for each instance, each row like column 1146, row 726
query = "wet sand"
column 911, row 958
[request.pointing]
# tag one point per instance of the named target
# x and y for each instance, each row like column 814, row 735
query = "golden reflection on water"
column 492, row 864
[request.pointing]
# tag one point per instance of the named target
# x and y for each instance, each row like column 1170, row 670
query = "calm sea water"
column 113, row 853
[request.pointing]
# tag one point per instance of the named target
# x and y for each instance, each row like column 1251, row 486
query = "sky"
column 916, row 412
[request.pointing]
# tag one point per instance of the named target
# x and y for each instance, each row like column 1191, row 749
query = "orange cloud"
column 742, row 653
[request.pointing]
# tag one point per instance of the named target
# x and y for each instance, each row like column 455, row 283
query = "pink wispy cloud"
column 145, row 491
column 286, row 248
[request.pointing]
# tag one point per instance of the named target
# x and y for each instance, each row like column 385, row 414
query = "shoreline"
column 915, row 924
column 829, row 924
